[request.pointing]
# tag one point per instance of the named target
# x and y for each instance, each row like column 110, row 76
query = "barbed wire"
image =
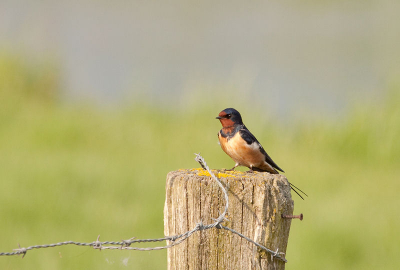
column 175, row 240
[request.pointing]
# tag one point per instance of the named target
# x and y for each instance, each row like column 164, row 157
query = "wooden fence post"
column 256, row 203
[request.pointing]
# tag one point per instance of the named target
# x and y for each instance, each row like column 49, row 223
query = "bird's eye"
column 228, row 116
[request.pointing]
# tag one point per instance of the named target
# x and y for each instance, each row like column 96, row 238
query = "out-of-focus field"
column 72, row 172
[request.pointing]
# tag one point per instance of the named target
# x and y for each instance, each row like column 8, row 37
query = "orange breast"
column 243, row 153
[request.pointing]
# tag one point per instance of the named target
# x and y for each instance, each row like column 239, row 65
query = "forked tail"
column 293, row 187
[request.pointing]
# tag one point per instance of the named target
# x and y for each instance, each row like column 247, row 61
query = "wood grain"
column 256, row 202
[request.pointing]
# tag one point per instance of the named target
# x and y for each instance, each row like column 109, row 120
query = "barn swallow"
column 241, row 145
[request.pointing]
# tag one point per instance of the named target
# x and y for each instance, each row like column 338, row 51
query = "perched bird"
column 238, row 143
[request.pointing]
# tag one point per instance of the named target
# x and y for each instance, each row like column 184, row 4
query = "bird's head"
column 229, row 117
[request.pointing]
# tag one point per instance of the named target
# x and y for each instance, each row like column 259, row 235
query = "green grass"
column 73, row 172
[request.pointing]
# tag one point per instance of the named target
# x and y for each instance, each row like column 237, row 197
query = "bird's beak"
column 218, row 117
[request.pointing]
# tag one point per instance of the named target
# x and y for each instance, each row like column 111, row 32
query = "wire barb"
column 97, row 243
column 20, row 251
column 127, row 243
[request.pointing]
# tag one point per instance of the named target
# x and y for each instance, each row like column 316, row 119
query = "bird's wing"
column 249, row 138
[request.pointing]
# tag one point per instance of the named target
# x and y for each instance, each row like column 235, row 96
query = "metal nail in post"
column 291, row 217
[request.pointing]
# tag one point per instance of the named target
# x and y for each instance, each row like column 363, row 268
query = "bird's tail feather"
column 293, row 187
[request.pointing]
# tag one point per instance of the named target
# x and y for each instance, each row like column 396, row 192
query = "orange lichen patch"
column 218, row 173
column 274, row 215
column 202, row 172
column 196, row 169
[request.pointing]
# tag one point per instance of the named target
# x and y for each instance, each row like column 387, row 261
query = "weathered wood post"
column 256, row 203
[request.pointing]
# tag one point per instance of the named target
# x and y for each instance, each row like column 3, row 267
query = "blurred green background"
column 72, row 167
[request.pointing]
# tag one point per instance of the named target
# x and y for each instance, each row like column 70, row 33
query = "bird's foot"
column 250, row 171
column 225, row 170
